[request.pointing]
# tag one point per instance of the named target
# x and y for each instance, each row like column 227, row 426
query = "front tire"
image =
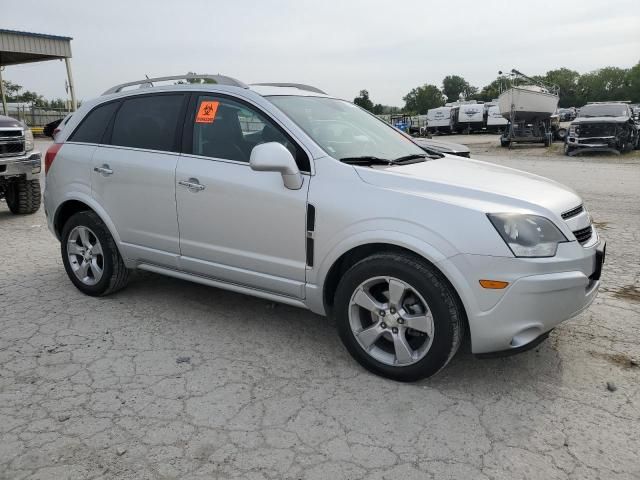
column 23, row 196
column 90, row 256
column 398, row 316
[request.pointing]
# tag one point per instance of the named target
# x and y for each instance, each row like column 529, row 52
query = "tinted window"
column 93, row 126
column 148, row 122
column 223, row 128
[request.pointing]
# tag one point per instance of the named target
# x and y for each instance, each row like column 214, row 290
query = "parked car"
column 439, row 146
column 20, row 167
column 603, row 125
column 51, row 129
column 286, row 193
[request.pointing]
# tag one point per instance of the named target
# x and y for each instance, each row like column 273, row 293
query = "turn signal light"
column 493, row 284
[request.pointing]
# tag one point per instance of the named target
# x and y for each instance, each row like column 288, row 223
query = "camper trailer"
column 470, row 118
column 495, row 122
column 440, row 120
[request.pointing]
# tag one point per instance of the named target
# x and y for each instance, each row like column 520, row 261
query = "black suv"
column 603, row 126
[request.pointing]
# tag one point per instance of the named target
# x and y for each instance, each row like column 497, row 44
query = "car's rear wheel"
column 398, row 317
column 90, row 256
column 23, row 196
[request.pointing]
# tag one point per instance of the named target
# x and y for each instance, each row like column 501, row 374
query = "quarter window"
column 226, row 129
column 92, row 128
column 149, row 122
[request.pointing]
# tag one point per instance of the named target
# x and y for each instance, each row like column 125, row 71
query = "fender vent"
column 311, row 228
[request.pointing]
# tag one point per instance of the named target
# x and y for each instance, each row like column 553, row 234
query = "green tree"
column 567, row 81
column 421, row 99
column 609, row 83
column 453, row 86
column 364, row 101
column 633, row 84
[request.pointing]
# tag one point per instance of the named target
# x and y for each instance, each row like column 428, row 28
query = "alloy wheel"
column 85, row 255
column 391, row 321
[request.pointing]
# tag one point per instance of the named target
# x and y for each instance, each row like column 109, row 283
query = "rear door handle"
column 104, row 170
column 192, row 184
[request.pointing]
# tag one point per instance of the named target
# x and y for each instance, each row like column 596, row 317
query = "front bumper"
column 29, row 165
column 542, row 293
column 592, row 142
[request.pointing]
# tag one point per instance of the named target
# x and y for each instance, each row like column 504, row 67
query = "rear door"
column 133, row 175
column 238, row 225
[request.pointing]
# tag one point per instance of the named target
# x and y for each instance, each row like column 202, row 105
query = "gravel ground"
column 168, row 379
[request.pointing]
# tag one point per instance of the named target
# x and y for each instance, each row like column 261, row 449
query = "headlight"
column 527, row 235
column 28, row 140
column 574, row 130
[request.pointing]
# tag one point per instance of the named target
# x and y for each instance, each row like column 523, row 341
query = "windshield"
column 344, row 130
column 603, row 111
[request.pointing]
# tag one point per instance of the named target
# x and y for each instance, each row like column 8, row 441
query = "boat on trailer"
column 528, row 105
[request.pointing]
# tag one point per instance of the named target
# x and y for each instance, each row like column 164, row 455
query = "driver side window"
column 227, row 129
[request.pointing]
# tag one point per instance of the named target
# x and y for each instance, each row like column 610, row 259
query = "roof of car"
column 213, row 82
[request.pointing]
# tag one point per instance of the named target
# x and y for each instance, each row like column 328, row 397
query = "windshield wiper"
column 367, row 160
column 413, row 156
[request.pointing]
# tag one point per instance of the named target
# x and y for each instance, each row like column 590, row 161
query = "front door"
column 238, row 225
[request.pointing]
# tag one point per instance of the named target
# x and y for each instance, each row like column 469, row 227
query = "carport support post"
column 72, row 88
column 4, row 99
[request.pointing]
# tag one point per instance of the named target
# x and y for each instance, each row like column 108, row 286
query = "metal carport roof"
column 25, row 47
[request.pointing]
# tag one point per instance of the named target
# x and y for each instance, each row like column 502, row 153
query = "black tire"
column 115, row 274
column 448, row 315
column 505, row 143
column 567, row 149
column 23, row 196
column 561, row 134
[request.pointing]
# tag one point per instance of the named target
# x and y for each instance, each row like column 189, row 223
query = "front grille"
column 597, row 130
column 583, row 235
column 573, row 212
column 11, row 143
column 11, row 148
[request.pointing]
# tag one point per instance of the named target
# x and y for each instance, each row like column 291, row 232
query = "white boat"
column 527, row 103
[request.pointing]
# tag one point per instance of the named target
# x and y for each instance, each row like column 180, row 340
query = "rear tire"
column 414, row 332
column 23, row 196
column 91, row 257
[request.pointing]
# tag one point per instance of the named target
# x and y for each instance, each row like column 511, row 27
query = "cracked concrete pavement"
column 168, row 379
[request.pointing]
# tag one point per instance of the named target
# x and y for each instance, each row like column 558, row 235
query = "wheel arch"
column 74, row 205
column 352, row 256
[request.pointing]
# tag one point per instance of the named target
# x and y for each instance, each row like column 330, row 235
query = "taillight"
column 50, row 156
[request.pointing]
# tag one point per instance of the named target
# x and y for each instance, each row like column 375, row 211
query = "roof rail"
column 219, row 79
column 300, row 86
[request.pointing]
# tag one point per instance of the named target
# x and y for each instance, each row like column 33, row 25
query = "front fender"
column 428, row 245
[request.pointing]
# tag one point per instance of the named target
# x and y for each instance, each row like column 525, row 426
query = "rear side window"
column 148, row 122
column 93, row 126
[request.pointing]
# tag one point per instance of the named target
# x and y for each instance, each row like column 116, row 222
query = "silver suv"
column 286, row 193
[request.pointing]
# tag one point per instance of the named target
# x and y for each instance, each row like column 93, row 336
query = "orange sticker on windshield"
column 207, row 112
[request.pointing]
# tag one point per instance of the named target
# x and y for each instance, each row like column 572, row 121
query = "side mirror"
column 274, row 157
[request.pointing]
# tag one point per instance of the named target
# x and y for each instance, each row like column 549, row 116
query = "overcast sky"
column 386, row 46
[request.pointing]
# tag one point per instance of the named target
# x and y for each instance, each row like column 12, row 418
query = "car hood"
column 8, row 122
column 580, row 120
column 474, row 184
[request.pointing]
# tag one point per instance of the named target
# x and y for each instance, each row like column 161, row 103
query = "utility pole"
column 4, row 99
column 72, row 88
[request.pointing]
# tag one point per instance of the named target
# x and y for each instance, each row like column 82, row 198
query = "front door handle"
column 104, row 170
column 192, row 184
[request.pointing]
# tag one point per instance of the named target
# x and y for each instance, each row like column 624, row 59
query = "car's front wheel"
column 398, row 317
column 90, row 255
